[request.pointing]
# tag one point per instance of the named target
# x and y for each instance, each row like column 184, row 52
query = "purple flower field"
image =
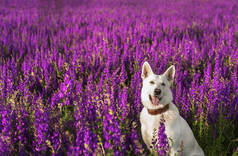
column 70, row 73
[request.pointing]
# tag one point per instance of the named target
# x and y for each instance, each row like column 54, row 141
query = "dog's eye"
column 163, row 84
column 152, row 82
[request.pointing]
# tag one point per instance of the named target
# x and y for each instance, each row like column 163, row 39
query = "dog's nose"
column 157, row 91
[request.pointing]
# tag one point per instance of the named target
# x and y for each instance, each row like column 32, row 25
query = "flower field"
column 70, row 74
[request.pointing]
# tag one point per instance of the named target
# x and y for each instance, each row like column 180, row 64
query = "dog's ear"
column 146, row 70
column 169, row 74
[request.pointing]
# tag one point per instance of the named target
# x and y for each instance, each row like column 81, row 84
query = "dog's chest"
column 151, row 122
column 148, row 121
column 148, row 126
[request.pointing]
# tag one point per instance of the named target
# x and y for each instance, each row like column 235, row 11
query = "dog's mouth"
column 155, row 100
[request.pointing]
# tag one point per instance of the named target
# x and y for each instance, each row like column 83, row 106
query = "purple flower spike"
column 163, row 145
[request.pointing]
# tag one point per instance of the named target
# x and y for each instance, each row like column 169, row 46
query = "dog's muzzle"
column 157, row 92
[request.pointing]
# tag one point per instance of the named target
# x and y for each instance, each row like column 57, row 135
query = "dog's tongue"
column 155, row 101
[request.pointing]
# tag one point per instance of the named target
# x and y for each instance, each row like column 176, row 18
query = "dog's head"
column 156, row 90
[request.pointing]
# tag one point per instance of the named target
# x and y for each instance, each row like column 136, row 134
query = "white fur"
column 176, row 128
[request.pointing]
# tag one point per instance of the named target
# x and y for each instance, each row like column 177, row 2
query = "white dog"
column 157, row 99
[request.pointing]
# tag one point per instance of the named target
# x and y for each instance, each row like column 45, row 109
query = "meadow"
column 70, row 73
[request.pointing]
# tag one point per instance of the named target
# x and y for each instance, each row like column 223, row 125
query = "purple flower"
column 41, row 127
column 163, row 145
column 6, row 132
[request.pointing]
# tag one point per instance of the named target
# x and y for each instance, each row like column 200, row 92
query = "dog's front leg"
column 145, row 137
